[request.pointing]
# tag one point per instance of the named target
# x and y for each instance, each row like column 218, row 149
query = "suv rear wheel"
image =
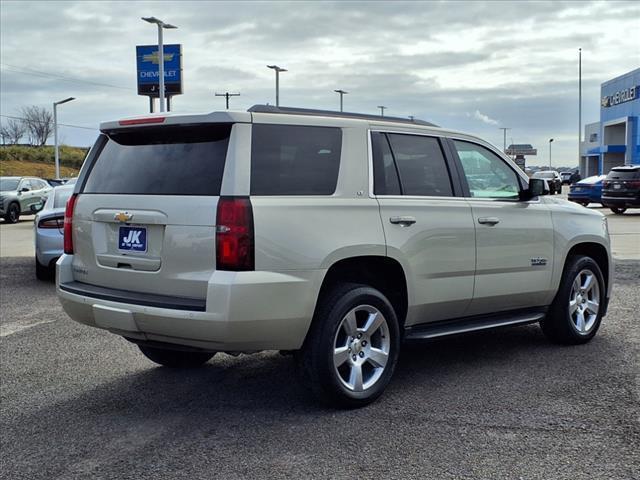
column 175, row 358
column 618, row 210
column 576, row 312
column 352, row 347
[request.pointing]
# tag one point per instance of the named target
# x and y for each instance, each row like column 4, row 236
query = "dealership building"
column 615, row 139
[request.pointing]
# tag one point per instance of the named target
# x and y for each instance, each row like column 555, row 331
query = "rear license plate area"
column 132, row 239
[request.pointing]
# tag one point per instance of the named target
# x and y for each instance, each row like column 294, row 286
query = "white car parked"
column 331, row 236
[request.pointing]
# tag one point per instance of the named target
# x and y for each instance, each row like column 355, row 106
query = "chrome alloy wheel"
column 584, row 301
column 361, row 348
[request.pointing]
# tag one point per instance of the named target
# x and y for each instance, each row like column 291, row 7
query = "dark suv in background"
column 621, row 188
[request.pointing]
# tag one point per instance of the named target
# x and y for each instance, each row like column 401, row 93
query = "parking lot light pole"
column 342, row 93
column 277, row 69
column 550, row 142
column 160, row 25
column 55, row 132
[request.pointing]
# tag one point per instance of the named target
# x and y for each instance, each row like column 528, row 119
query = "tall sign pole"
column 504, row 130
column 161, row 93
column 161, row 25
column 579, row 104
column 55, row 133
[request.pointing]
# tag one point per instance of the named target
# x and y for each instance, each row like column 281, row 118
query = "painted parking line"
column 15, row 327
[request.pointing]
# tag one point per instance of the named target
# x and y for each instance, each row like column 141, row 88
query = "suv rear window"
column 170, row 160
column 294, row 160
column 624, row 174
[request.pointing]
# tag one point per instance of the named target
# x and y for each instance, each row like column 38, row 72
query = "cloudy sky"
column 470, row 66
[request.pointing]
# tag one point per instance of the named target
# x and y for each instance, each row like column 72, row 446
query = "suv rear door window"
column 294, row 160
column 385, row 181
column 170, row 160
column 421, row 165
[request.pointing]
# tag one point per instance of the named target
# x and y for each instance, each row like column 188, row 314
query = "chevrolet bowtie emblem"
column 123, row 217
column 153, row 57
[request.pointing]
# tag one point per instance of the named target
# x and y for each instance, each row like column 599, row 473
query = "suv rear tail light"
column 633, row 184
column 234, row 234
column 68, row 225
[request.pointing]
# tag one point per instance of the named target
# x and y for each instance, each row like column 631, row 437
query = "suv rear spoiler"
column 167, row 118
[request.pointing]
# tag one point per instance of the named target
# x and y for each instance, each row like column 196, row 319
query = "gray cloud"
column 514, row 63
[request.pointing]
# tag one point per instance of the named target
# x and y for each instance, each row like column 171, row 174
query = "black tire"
column 316, row 358
column 176, row 358
column 43, row 272
column 618, row 210
column 13, row 213
column 584, row 204
column 559, row 325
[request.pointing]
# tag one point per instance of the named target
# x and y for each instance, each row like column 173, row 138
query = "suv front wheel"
column 352, row 347
column 13, row 213
column 575, row 314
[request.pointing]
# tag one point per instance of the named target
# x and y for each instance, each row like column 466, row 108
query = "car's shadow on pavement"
column 267, row 384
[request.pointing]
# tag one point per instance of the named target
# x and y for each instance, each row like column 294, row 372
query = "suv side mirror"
column 537, row 187
column 24, row 189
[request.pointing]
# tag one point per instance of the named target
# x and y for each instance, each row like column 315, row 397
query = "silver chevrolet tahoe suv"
column 333, row 237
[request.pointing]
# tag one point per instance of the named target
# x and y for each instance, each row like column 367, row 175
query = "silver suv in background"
column 333, row 237
column 21, row 196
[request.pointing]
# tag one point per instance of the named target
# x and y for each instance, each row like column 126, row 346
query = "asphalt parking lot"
column 80, row 403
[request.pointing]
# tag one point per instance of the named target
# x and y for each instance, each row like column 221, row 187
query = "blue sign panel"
column 147, row 61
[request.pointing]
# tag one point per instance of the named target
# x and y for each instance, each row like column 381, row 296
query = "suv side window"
column 409, row 165
column 385, row 173
column 488, row 176
column 294, row 159
column 421, row 165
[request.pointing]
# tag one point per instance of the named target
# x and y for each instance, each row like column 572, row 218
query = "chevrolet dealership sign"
column 619, row 97
column 147, row 61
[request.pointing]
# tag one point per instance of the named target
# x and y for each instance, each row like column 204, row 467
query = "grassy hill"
column 26, row 160
column 21, row 168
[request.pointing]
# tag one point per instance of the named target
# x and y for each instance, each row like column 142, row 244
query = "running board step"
column 471, row 324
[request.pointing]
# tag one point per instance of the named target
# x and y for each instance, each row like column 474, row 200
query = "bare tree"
column 3, row 134
column 14, row 130
column 39, row 123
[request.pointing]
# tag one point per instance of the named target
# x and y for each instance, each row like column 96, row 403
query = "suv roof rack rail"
column 331, row 113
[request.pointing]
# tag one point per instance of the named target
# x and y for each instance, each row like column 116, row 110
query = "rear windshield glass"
column 61, row 197
column 175, row 160
column 543, row 175
column 624, row 174
column 294, row 160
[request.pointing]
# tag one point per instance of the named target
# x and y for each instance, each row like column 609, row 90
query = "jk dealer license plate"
column 132, row 239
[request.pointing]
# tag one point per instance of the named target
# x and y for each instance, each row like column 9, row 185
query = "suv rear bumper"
column 276, row 316
column 620, row 201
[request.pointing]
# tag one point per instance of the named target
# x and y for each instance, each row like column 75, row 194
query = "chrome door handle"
column 403, row 221
column 488, row 220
